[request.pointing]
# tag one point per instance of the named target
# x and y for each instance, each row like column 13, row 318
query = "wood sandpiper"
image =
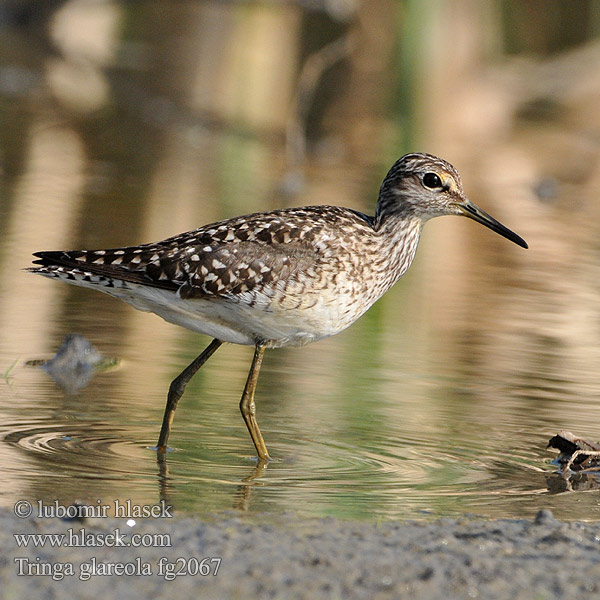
column 281, row 278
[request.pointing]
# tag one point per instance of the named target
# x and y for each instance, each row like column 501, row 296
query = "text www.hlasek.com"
column 87, row 539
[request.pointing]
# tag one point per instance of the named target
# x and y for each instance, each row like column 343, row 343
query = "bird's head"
column 426, row 186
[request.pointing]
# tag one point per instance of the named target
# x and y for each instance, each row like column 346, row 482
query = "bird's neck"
column 399, row 235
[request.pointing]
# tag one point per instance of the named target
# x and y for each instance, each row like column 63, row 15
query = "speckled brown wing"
column 228, row 259
column 239, row 257
column 232, row 270
column 102, row 267
column 242, row 257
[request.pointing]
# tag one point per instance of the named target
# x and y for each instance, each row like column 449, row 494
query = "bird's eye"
column 432, row 181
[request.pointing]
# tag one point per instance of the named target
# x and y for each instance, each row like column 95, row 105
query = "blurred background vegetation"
column 130, row 121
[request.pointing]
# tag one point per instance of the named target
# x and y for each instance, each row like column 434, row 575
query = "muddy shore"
column 288, row 558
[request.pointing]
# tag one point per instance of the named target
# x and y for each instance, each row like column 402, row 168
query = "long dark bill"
column 473, row 211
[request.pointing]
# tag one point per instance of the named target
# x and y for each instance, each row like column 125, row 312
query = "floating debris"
column 576, row 454
column 75, row 363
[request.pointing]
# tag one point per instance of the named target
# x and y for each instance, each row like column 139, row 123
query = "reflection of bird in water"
column 280, row 278
column 74, row 364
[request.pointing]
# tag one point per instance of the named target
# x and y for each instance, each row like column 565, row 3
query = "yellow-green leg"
column 176, row 390
column 248, row 408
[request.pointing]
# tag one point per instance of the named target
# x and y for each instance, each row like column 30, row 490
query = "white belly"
column 238, row 323
column 294, row 318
